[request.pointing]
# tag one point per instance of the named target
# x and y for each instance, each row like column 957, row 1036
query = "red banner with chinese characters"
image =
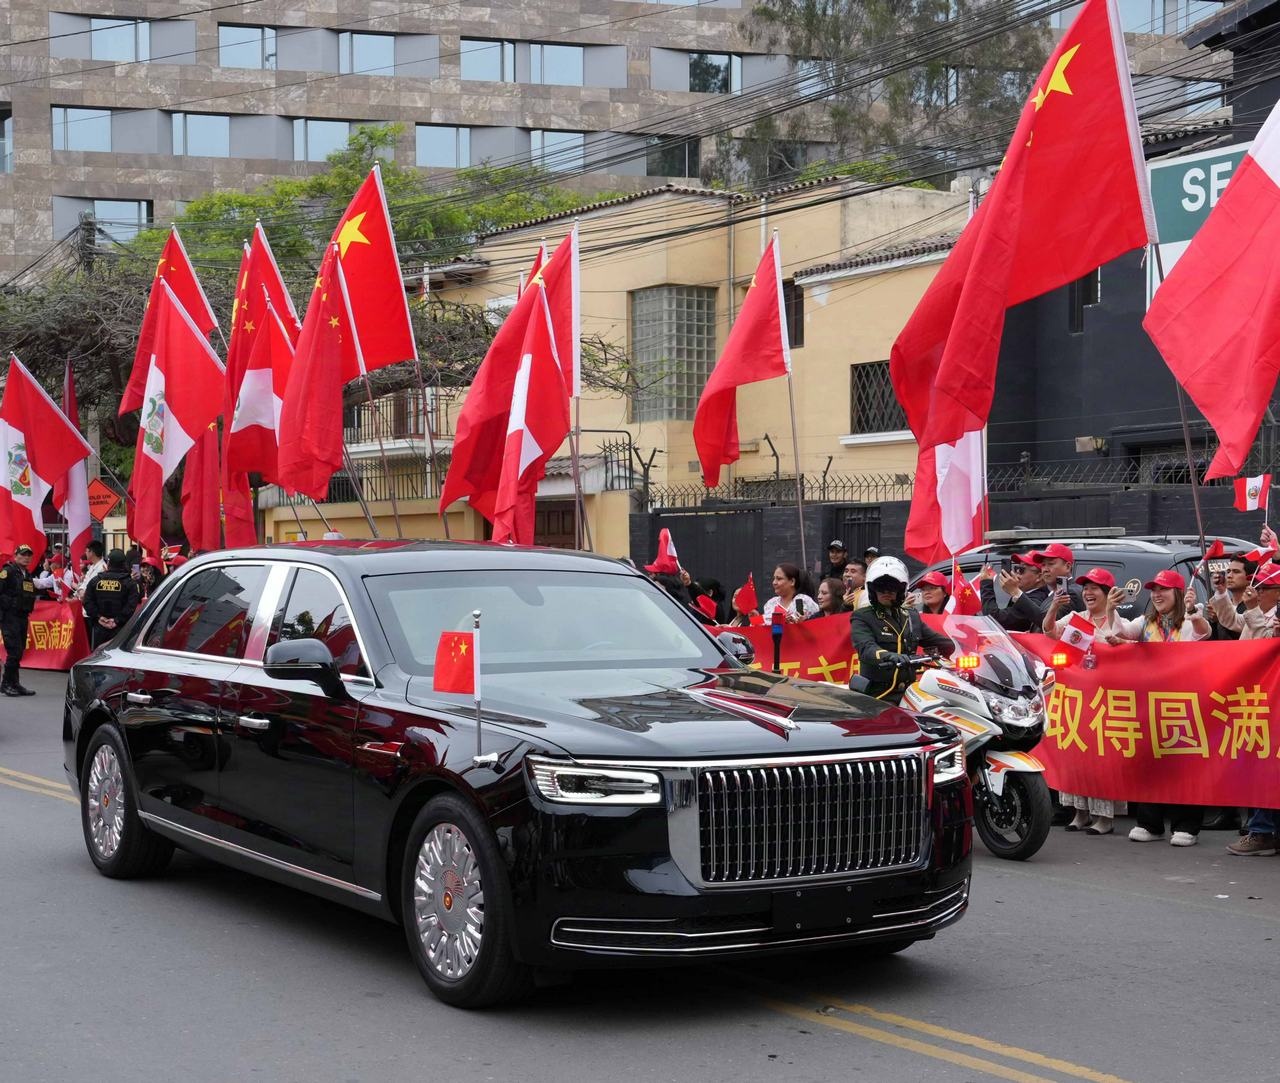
column 56, row 636
column 820, row 649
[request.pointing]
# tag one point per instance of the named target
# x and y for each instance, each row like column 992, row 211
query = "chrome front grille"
column 815, row 819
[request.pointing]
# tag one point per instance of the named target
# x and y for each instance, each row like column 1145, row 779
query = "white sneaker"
column 1182, row 838
column 1141, row 834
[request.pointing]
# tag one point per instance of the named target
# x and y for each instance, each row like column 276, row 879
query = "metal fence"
column 818, row 488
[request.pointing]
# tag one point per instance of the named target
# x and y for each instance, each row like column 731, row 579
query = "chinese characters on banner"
column 56, row 636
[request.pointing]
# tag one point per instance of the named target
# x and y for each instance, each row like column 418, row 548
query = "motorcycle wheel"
column 1015, row 824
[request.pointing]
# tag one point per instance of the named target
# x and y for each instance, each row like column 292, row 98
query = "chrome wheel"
column 448, row 901
column 104, row 796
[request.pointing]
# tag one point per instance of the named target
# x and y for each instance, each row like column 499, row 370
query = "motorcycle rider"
column 886, row 633
column 111, row 600
column 17, row 600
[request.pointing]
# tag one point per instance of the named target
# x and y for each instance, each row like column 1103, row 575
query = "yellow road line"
column 1013, row 1052
column 888, row 1037
column 43, row 791
column 39, row 780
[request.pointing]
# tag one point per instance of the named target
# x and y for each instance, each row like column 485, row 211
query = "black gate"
column 720, row 545
column 857, row 525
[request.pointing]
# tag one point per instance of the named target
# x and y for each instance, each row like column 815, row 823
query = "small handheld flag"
column 455, row 663
column 1252, row 493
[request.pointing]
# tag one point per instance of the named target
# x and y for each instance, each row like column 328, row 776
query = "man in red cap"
column 1023, row 583
column 1056, row 562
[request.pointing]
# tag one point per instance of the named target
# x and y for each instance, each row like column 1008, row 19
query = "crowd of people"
column 1042, row 593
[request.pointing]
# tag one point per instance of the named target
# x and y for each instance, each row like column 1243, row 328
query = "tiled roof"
column 1155, row 134
column 1224, row 21
column 617, row 201
column 925, row 246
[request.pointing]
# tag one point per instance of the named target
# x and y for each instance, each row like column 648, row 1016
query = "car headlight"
column 948, row 765
column 575, row 784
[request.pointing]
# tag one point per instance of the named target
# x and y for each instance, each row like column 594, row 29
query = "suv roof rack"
column 1022, row 533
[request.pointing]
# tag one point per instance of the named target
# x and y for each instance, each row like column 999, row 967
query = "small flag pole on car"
column 480, row 759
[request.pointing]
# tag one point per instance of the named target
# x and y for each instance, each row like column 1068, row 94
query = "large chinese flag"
column 201, row 510
column 379, row 305
column 310, row 432
column 71, row 491
column 181, row 399
column 1216, row 318
column 174, row 268
column 756, row 349
column 476, row 465
column 39, row 446
column 1070, row 195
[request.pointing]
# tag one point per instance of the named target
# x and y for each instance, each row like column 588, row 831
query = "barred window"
column 873, row 406
column 673, row 349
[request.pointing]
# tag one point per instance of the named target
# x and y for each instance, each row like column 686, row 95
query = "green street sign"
column 1184, row 190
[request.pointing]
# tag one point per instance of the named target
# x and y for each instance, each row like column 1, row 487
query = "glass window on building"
column 203, row 135
column 493, row 61
column 556, row 65
column 121, row 219
column 873, row 407
column 247, row 47
column 315, row 140
column 671, row 157
column 443, row 146
column 81, row 129
column 366, row 54
column 793, row 305
column 6, row 140
column 1202, row 96
column 715, row 73
column 673, row 349
column 557, row 152
column 120, row 39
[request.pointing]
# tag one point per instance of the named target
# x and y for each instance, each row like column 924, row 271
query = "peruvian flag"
column 1216, row 318
column 376, row 297
column 174, row 269
column 201, row 510
column 1077, row 637
column 537, row 424
column 478, row 448
column 949, row 502
column 1070, row 195
column 667, row 562
column 757, row 349
column 182, row 397
column 964, row 600
column 40, row 447
column 251, row 439
column 71, row 491
column 1252, row 493
column 310, row 426
column 1260, row 556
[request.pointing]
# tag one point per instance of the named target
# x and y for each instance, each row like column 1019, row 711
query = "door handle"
column 249, row 722
column 140, row 698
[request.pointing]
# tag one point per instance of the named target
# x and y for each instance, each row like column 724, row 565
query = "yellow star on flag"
column 319, row 281
column 248, row 326
column 1058, row 80
column 350, row 234
column 333, row 321
column 159, row 265
column 462, row 647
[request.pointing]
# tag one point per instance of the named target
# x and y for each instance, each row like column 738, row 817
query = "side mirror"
column 737, row 647
column 858, row 683
column 304, row 660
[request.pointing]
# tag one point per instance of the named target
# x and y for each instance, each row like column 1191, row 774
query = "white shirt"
column 97, row 569
column 810, row 607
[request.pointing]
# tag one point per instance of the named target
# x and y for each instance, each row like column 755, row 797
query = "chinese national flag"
column 756, row 349
column 1070, row 195
column 311, row 414
column 964, row 601
column 176, row 270
column 455, row 663
column 379, row 305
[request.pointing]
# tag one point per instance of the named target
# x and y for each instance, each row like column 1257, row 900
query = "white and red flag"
column 1252, row 493
column 1070, row 195
column 182, row 397
column 40, row 445
column 201, row 508
column 1077, row 637
column 252, row 439
column 757, row 349
column 174, row 269
column 71, row 491
column 1216, row 317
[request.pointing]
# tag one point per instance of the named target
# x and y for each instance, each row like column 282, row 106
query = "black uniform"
column 17, row 600
column 884, row 637
column 112, row 594
column 1024, row 614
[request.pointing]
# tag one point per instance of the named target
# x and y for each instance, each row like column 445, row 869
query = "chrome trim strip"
column 654, row 932
column 274, row 862
column 771, row 761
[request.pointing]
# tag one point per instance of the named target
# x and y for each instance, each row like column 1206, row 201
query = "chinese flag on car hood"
column 39, row 446
column 455, row 663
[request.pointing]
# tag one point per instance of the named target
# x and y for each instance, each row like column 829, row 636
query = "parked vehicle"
column 628, row 792
column 993, row 692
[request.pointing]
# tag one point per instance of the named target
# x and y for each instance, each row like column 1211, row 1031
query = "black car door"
column 171, row 701
column 285, row 787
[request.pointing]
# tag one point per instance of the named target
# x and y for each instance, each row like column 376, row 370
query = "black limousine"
column 636, row 792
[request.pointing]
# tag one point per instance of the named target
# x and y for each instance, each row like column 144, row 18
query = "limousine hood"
column 684, row 714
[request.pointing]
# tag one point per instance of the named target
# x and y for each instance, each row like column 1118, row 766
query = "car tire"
column 119, row 843
column 456, row 905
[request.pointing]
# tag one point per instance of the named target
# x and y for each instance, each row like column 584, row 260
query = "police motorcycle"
column 994, row 693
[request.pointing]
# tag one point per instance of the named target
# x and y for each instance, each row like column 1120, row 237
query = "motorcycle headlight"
column 1014, row 712
column 948, row 765
column 575, row 784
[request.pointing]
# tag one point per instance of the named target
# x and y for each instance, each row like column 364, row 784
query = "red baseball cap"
column 1057, row 549
column 1099, row 577
column 154, row 562
column 934, row 579
column 1167, row 577
column 1031, row 559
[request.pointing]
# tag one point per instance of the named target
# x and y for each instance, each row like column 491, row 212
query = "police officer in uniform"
column 110, row 600
column 886, row 633
column 17, row 600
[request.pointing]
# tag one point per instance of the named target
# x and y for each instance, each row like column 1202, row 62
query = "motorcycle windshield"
column 989, row 653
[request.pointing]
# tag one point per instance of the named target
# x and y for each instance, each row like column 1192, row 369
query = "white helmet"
column 887, row 568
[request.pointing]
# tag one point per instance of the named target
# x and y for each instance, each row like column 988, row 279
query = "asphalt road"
column 1099, row 960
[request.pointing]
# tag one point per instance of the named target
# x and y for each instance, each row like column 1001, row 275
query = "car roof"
column 1173, row 545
